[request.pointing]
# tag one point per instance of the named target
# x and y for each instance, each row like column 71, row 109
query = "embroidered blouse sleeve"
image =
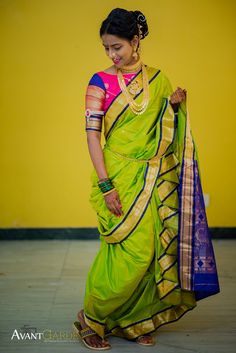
column 94, row 103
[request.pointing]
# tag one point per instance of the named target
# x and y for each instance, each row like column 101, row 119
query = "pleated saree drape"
column 156, row 260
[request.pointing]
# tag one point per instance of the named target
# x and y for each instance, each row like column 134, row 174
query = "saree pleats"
column 137, row 281
column 135, row 290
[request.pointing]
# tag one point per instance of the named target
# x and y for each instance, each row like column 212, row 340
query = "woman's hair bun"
column 125, row 24
column 141, row 22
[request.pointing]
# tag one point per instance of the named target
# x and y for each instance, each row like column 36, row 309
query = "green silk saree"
column 156, row 260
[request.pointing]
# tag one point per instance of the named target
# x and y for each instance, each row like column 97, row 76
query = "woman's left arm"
column 177, row 97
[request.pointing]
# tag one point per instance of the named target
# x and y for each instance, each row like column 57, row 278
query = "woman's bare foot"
column 94, row 341
column 145, row 339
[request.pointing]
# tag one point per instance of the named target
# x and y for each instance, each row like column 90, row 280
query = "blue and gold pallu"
column 156, row 261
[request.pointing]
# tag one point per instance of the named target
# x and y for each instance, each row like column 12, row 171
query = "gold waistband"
column 152, row 160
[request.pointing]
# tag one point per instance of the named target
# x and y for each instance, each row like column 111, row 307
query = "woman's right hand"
column 113, row 203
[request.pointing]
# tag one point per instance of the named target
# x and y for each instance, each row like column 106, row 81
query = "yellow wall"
column 50, row 49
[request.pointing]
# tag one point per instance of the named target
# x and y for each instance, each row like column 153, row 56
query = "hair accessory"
column 141, row 19
column 139, row 31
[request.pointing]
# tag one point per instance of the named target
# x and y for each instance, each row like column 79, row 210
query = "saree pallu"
column 156, row 260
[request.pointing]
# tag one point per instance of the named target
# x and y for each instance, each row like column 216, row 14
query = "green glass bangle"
column 105, row 186
column 104, row 182
column 105, row 191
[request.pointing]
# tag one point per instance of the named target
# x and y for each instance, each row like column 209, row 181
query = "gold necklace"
column 132, row 68
column 134, row 86
column 136, row 108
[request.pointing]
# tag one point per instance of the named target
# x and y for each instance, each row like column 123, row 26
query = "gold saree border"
column 166, row 262
column 168, row 282
column 166, row 287
column 167, row 237
column 147, row 325
column 167, row 128
column 186, row 207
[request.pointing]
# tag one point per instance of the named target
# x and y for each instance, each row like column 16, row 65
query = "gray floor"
column 42, row 286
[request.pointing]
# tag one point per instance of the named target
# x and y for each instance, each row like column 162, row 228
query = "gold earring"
column 139, row 50
column 135, row 55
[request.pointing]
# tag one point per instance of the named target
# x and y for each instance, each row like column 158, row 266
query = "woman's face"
column 119, row 50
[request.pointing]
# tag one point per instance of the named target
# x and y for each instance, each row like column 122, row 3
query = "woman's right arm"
column 96, row 154
column 95, row 98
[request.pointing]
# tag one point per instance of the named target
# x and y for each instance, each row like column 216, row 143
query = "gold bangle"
column 108, row 192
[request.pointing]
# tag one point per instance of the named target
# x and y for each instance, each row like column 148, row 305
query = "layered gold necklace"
column 134, row 87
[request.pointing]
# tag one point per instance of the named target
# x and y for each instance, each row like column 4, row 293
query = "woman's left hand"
column 177, row 97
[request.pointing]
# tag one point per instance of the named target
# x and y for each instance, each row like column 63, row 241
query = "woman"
column 156, row 257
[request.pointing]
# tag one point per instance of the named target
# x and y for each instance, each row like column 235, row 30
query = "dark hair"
column 124, row 24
